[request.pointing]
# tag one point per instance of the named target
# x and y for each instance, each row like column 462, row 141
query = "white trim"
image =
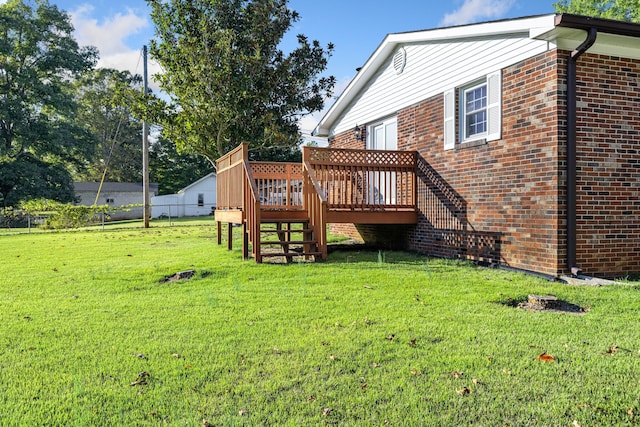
column 463, row 113
column 494, row 106
column 382, row 122
column 449, row 119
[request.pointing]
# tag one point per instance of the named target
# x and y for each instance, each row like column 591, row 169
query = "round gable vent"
column 399, row 60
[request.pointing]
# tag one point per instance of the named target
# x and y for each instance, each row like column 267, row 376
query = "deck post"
column 245, row 241
column 219, row 232
column 229, row 236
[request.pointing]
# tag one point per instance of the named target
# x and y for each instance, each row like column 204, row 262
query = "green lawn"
column 362, row 339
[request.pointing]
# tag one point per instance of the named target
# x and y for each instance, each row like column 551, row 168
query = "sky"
column 120, row 28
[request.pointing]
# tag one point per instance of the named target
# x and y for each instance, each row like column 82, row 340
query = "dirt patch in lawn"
column 544, row 303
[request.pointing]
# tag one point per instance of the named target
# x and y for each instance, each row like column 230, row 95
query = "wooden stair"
column 287, row 238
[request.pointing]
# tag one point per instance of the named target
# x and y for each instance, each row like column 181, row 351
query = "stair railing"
column 237, row 190
column 252, row 204
column 315, row 203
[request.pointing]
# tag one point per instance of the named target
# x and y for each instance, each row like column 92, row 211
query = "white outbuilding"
column 196, row 199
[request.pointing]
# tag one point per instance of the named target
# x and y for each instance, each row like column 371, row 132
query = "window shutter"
column 494, row 107
column 450, row 119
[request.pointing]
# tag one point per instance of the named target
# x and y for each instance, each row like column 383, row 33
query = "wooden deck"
column 329, row 186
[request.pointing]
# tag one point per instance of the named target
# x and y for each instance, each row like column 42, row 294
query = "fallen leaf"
column 576, row 424
column 139, row 355
column 327, row 411
column 612, row 349
column 544, row 357
column 242, row 412
column 367, row 287
column 416, row 372
column 506, row 371
column 457, row 374
column 630, row 411
column 391, row 337
column 363, row 386
column 332, row 357
column 412, row 343
column 464, row 391
column 129, row 255
column 311, row 398
column 475, row 381
column 205, row 423
column 55, row 270
column 177, row 356
column 375, row 365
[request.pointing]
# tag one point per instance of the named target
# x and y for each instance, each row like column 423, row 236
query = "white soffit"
column 606, row 44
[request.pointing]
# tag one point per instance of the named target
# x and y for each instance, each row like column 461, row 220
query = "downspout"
column 572, row 150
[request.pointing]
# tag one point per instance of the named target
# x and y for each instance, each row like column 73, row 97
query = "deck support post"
column 219, row 232
column 245, row 241
column 229, row 236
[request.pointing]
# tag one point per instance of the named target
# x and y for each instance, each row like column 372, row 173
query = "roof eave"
column 391, row 41
column 609, row 26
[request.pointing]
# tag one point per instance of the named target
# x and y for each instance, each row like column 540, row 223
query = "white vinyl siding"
column 432, row 68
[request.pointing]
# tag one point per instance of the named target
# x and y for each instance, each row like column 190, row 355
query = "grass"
column 366, row 338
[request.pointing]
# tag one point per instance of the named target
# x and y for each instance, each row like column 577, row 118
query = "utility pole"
column 145, row 149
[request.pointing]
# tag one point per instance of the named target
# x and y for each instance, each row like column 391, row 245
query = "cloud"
column 109, row 35
column 477, row 10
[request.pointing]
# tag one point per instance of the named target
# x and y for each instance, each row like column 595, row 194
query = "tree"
column 103, row 96
column 622, row 10
column 174, row 171
column 27, row 177
column 228, row 79
column 38, row 60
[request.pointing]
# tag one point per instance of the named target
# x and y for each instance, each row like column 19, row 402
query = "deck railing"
column 364, row 179
column 327, row 181
column 230, row 178
column 279, row 184
column 237, row 190
column 315, row 203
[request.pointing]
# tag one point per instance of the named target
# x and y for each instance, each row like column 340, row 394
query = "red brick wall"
column 500, row 198
column 608, row 163
column 505, row 200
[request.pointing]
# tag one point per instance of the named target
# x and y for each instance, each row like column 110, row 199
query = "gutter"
column 572, row 150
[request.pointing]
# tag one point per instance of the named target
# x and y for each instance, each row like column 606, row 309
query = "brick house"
column 528, row 134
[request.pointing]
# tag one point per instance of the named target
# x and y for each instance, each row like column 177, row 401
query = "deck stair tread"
column 288, row 242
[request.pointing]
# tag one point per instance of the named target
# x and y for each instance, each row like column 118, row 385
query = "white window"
column 474, row 111
column 478, row 114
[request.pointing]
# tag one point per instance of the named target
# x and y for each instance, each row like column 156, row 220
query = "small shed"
column 116, row 194
column 196, row 199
